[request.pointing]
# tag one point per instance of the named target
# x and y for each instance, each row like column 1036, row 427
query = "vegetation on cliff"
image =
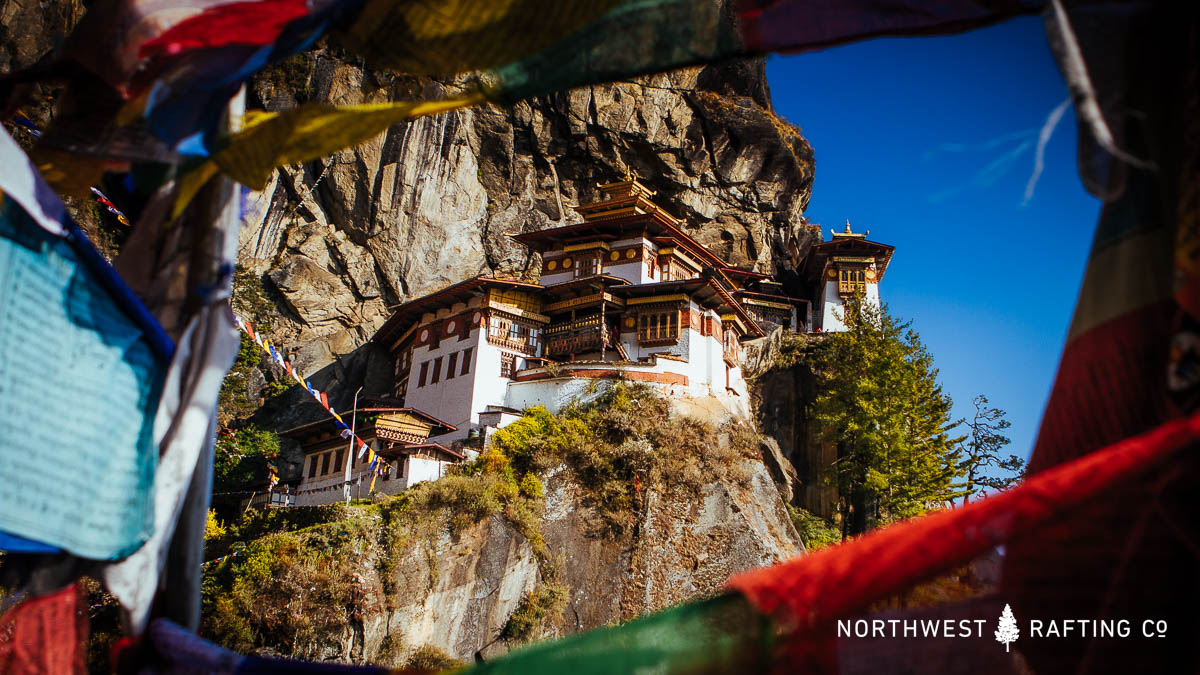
column 301, row 575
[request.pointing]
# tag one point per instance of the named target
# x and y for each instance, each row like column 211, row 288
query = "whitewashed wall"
column 832, row 309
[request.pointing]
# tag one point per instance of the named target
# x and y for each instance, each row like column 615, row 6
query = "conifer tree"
column 985, row 439
column 879, row 402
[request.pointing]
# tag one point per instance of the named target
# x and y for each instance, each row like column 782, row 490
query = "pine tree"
column 1007, row 632
column 982, row 448
column 879, row 401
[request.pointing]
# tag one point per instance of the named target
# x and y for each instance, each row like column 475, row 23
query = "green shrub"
column 815, row 531
column 531, row 486
column 432, row 659
column 241, row 457
column 288, row 591
column 541, row 606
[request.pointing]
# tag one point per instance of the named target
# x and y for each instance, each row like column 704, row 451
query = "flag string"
column 28, row 126
column 373, row 464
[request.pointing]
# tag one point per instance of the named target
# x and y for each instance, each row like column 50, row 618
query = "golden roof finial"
column 846, row 233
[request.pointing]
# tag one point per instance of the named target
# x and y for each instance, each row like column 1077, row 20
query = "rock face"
column 459, row 595
column 435, row 200
column 30, row 28
column 794, row 454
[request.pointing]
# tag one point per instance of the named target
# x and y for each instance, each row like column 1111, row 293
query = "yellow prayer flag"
column 269, row 140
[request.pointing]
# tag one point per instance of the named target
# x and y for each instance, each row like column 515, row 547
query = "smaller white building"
column 398, row 435
column 846, row 265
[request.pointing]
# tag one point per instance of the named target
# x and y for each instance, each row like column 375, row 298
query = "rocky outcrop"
column 435, row 200
column 458, row 594
column 31, row 28
column 782, row 385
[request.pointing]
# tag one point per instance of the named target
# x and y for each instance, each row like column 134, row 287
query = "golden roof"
column 848, row 233
column 625, row 197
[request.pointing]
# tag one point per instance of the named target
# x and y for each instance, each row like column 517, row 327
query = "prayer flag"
column 70, row 328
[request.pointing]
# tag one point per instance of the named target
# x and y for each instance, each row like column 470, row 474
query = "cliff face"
column 435, row 200
column 457, row 592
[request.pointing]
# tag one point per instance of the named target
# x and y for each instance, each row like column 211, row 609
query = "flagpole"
column 350, row 454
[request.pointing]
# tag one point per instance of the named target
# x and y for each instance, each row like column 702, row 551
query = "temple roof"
column 624, row 198
column 438, row 426
column 459, row 292
column 627, row 210
column 852, row 245
column 389, row 453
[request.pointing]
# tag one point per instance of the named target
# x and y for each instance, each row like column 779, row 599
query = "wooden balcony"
column 576, row 341
column 527, row 346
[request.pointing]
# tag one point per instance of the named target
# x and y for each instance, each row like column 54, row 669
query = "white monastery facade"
column 624, row 294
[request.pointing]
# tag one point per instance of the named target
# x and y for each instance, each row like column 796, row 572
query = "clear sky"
column 929, row 143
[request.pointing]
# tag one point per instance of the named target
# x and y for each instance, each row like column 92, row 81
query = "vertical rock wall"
column 435, row 200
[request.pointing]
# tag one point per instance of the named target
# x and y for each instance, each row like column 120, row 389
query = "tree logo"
column 1007, row 632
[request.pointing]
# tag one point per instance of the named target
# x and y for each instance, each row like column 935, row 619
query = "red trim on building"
column 637, row 375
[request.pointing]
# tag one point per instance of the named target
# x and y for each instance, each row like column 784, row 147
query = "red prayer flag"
column 44, row 635
column 812, row 591
column 238, row 23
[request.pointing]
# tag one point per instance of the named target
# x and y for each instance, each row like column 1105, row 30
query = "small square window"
column 508, row 364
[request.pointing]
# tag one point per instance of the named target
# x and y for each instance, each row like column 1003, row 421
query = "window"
column 451, row 365
column 437, row 371
column 466, row 361
column 852, row 281
column 660, row 326
column 337, row 462
column 424, row 372
column 312, row 466
column 325, row 464
column 508, row 363
column 521, row 335
column 588, row 266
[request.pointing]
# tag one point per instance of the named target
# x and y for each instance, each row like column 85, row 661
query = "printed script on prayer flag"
column 79, row 386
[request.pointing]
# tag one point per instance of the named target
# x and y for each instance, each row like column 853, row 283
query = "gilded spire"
column 847, row 233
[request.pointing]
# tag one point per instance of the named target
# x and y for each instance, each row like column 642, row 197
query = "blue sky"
column 929, row 143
